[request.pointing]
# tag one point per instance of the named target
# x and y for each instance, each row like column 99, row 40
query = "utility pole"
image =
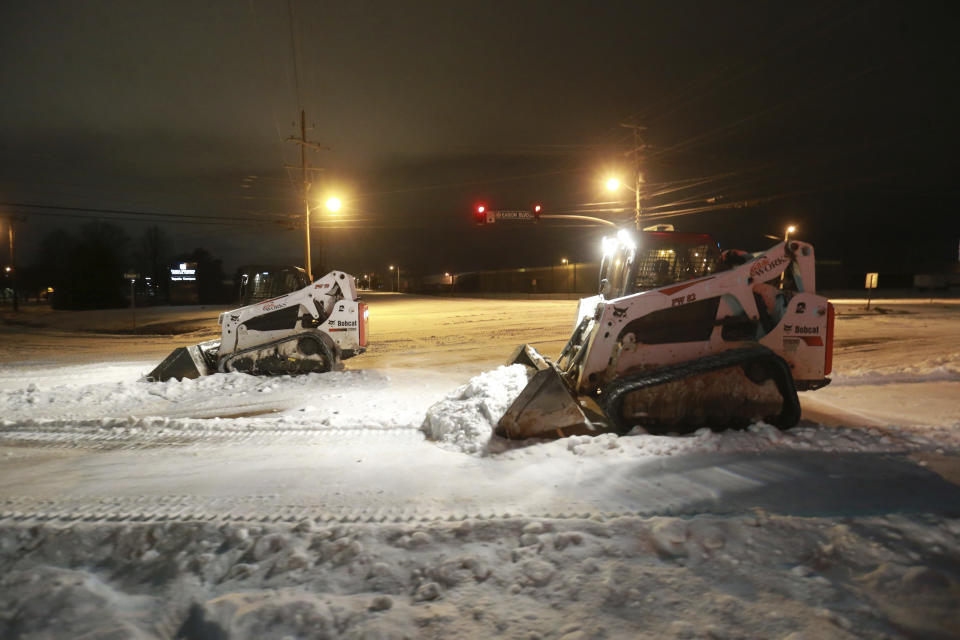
column 304, row 144
column 638, row 148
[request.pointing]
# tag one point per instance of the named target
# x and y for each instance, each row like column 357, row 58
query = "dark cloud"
column 840, row 112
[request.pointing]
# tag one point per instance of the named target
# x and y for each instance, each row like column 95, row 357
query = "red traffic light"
column 480, row 214
column 536, row 209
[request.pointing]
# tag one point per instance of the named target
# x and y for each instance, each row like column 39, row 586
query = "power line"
column 294, row 52
column 725, row 130
column 264, row 70
column 74, row 211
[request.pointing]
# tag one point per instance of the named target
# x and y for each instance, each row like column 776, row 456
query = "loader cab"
column 639, row 261
column 259, row 282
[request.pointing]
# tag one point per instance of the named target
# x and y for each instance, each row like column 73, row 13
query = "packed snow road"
column 374, row 502
column 341, row 443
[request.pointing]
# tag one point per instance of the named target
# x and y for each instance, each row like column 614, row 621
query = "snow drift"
column 466, row 418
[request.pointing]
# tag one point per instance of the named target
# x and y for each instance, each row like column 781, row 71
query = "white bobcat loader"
column 682, row 337
column 310, row 330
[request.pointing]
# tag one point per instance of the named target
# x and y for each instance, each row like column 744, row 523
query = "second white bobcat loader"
column 310, row 330
column 681, row 338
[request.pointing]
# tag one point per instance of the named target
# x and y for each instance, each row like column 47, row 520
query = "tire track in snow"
column 97, row 435
column 262, row 509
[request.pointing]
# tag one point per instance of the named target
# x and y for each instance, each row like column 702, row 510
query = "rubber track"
column 329, row 357
column 789, row 416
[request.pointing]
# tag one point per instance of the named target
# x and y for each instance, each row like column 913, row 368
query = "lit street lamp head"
column 613, row 184
column 333, row 204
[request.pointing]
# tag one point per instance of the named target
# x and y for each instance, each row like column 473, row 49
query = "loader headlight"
column 625, row 238
column 609, row 245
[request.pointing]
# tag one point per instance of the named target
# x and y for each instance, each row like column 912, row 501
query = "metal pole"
column 578, row 217
column 306, row 199
column 398, row 278
column 133, row 304
column 13, row 268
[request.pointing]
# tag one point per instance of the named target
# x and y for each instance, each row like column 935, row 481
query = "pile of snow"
column 758, row 438
column 747, row 575
column 942, row 368
column 946, row 373
column 336, row 399
column 466, row 418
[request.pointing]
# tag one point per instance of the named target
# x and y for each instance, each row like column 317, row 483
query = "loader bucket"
column 184, row 362
column 527, row 355
column 545, row 408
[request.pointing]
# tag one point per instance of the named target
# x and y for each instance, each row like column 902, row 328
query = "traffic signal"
column 480, row 214
column 537, row 208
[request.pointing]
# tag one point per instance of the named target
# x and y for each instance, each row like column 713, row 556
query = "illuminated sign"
column 187, row 272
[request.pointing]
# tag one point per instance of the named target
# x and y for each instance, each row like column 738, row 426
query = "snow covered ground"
column 373, row 502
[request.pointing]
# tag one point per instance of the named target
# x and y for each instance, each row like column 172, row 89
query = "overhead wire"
column 725, row 130
column 802, row 37
column 264, row 70
column 70, row 211
column 294, row 50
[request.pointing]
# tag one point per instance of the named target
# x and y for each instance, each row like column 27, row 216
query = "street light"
column 333, row 204
column 9, row 269
column 566, row 263
column 398, row 277
column 613, row 184
column 790, row 229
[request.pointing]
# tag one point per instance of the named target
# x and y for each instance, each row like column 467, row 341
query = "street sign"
column 513, row 215
column 870, row 285
column 489, row 216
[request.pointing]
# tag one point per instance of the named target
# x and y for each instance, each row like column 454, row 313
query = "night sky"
column 838, row 117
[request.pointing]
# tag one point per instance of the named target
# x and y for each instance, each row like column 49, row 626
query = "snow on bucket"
column 466, row 418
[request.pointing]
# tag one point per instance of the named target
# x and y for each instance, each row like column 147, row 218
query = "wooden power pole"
column 304, row 168
column 638, row 147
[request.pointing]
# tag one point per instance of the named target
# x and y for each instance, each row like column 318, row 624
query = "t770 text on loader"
column 682, row 337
